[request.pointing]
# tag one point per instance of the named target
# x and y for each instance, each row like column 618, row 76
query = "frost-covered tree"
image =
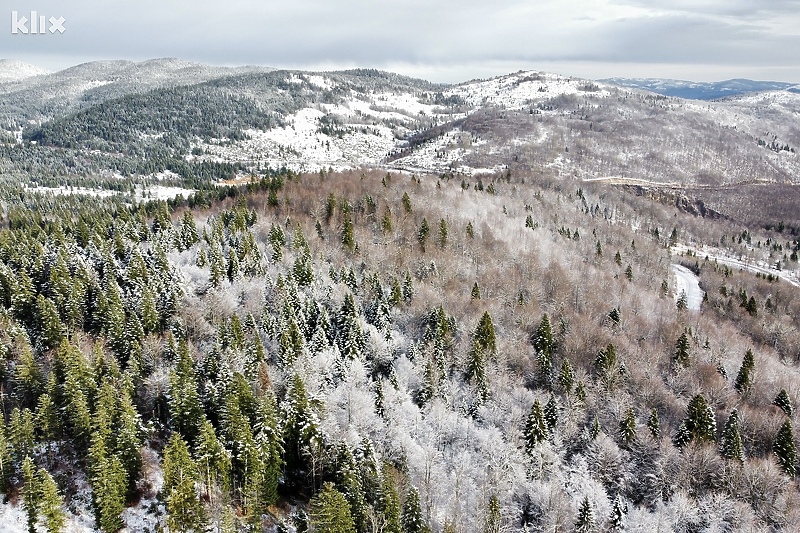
column 184, row 510
column 730, row 442
column 536, row 429
column 586, row 521
column 627, row 428
column 412, row 519
column 784, row 448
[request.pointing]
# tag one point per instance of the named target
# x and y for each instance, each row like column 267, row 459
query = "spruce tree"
column 493, row 518
column 412, row 519
column 442, row 237
column 783, row 402
column 551, row 413
column 184, row 399
column 616, row 522
column 476, row 292
column 653, row 424
column 699, row 425
column 585, row 522
column 53, row 516
column 744, row 378
column 30, row 493
column 544, row 346
column 423, row 233
column 536, row 429
column 566, row 377
column 784, row 448
column 389, row 504
column 681, row 355
column 627, row 428
column 213, row 461
column 330, row 512
column 184, row 510
column 730, row 444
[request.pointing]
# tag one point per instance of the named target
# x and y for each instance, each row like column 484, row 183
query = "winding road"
column 687, row 282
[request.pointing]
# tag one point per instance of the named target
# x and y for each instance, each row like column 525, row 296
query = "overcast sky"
column 440, row 40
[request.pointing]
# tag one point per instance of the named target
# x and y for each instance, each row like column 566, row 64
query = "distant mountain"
column 39, row 98
column 693, row 90
column 11, row 70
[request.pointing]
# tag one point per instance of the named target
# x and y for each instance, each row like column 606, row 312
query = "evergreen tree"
column 30, row 493
column 6, row 460
column 442, row 238
column 476, row 292
column 566, row 377
column 493, row 518
column 783, row 402
column 348, row 236
column 744, row 378
column 422, row 233
column 412, row 519
column 536, row 430
column 653, row 424
column 616, row 523
column 330, row 512
column 389, row 505
column 627, row 428
column 699, row 424
column 785, row 450
column 53, row 517
column 681, row 355
column 585, row 522
column 213, row 461
column 184, row 510
column 300, row 430
column 551, row 413
column 683, row 301
column 406, row 203
column 730, row 443
column 184, row 400
column 544, row 346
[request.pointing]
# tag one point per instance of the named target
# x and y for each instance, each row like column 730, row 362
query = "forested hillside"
column 373, row 351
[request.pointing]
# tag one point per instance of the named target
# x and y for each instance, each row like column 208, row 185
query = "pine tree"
column 406, row 203
column 544, row 346
column 184, row 510
column 213, row 461
column 627, row 428
column 412, row 519
column 184, row 400
column 31, row 497
column 616, row 522
column 422, row 233
column 653, row 424
column 493, row 518
column 442, row 238
column 784, row 449
column 566, row 377
column 629, row 273
column 683, row 302
column 551, row 413
column 476, row 292
column 51, row 503
column 536, row 429
column 744, row 378
column 681, row 355
column 330, row 512
column 585, row 522
column 348, row 235
column 699, row 424
column 783, row 402
column 389, row 504
column 730, row 444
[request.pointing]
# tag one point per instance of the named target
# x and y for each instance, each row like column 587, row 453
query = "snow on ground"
column 11, row 70
column 64, row 191
column 300, row 146
column 752, row 264
column 152, row 192
column 517, row 91
column 686, row 282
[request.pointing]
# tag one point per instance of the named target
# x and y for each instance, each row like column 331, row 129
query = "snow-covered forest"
column 372, row 351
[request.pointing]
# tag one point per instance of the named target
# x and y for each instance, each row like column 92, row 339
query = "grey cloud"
column 421, row 33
